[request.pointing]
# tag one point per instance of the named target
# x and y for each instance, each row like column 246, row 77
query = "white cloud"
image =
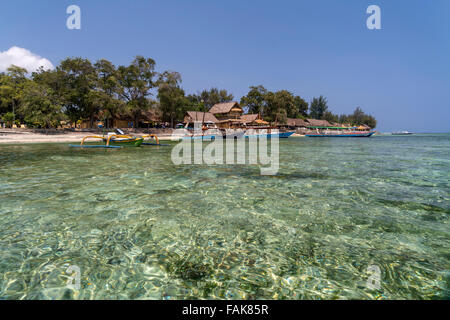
column 23, row 58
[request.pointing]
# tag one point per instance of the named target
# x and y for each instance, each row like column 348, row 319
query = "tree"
column 330, row 117
column 135, row 84
column 357, row 118
column 214, row 96
column 171, row 97
column 108, row 89
column 255, row 100
column 370, row 121
column 318, row 107
column 194, row 103
column 301, row 106
column 11, row 89
column 280, row 106
column 41, row 106
column 78, row 77
column 8, row 118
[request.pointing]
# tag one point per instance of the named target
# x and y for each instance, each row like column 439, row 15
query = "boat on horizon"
column 401, row 133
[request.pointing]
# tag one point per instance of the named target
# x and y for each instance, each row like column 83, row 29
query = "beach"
column 8, row 136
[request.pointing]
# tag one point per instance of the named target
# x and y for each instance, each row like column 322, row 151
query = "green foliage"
column 204, row 100
column 301, row 106
column 280, row 106
column 274, row 106
column 8, row 118
column 255, row 100
column 78, row 90
column 135, row 84
column 41, row 107
column 330, row 117
column 357, row 118
column 78, row 78
column 11, row 90
column 171, row 97
column 318, row 107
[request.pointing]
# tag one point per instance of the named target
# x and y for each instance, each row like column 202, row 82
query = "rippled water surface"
column 139, row 227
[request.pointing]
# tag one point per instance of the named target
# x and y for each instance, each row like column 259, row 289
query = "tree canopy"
column 78, row 89
column 274, row 106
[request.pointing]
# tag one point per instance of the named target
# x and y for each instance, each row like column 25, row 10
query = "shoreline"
column 8, row 136
column 27, row 137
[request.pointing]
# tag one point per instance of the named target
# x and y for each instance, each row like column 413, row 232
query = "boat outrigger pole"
column 119, row 140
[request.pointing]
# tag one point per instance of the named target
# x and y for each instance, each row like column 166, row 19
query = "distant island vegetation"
column 79, row 90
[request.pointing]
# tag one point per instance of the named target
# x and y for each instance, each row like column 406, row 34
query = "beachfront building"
column 253, row 120
column 245, row 120
column 206, row 118
column 227, row 110
column 318, row 124
column 299, row 125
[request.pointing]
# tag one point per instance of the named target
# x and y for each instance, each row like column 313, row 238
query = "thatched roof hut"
column 197, row 116
column 318, row 123
column 227, row 110
column 225, row 107
column 297, row 123
column 249, row 118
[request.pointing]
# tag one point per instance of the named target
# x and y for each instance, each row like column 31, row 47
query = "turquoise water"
column 139, row 227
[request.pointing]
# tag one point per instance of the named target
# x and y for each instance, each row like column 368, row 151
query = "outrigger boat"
column 269, row 132
column 116, row 141
column 208, row 131
column 343, row 134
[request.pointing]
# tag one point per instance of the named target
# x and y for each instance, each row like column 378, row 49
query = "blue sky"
column 400, row 74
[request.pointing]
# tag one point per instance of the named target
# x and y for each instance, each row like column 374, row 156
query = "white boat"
column 401, row 133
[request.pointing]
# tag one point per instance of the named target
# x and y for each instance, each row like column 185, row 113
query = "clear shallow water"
column 141, row 228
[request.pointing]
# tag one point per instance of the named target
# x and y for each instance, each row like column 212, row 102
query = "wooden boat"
column 354, row 134
column 123, row 141
column 118, row 141
column 208, row 134
column 269, row 132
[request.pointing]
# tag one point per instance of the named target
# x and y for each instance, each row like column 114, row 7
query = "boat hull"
column 132, row 142
column 208, row 137
column 342, row 135
column 281, row 135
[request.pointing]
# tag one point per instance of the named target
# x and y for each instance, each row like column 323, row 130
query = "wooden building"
column 192, row 117
column 227, row 110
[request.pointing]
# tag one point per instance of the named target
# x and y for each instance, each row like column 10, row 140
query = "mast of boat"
column 204, row 112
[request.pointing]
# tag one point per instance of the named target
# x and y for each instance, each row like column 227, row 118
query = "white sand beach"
column 25, row 137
